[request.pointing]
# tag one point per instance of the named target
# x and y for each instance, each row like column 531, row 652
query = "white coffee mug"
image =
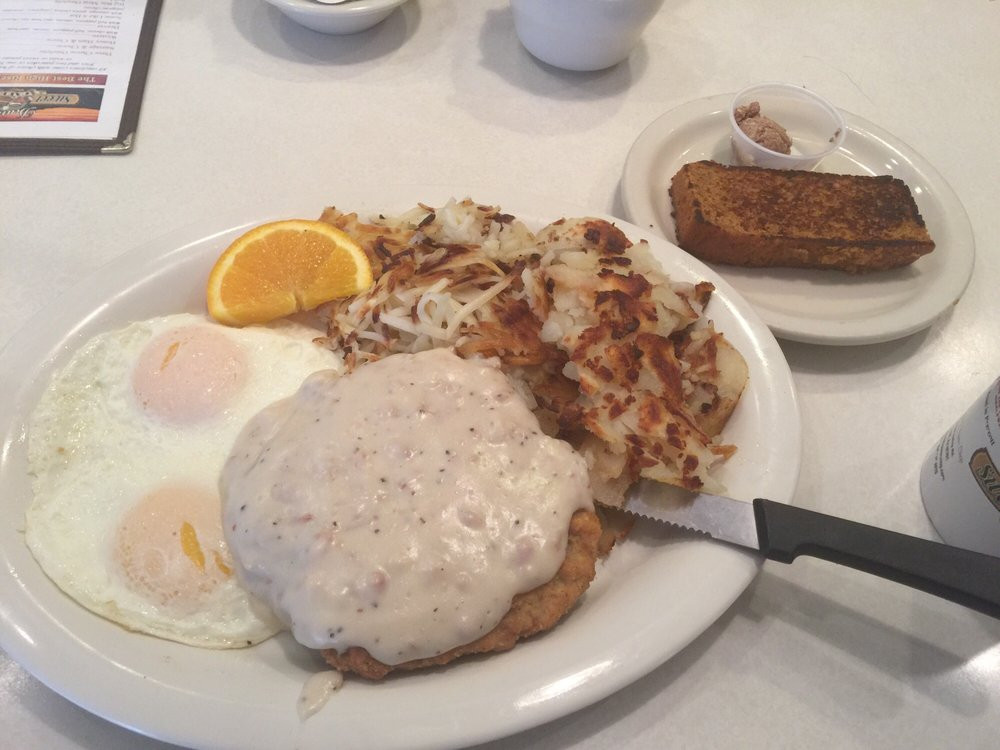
column 582, row 34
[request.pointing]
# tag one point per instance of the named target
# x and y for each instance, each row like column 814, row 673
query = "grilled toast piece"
column 750, row 216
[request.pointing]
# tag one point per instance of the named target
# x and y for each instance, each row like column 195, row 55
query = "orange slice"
column 285, row 267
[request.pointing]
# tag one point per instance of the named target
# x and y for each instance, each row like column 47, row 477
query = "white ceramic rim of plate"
column 941, row 277
column 145, row 683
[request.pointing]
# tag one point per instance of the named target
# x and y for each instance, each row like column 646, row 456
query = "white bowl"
column 815, row 126
column 345, row 18
column 581, row 34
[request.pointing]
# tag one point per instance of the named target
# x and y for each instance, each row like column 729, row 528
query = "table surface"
column 242, row 103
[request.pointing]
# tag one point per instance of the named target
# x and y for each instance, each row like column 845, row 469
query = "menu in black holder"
column 72, row 74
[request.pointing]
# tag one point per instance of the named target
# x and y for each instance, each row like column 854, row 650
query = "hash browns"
column 613, row 355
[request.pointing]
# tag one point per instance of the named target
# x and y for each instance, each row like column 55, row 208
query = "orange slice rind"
column 284, row 267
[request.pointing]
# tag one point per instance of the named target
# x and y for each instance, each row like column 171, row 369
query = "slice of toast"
column 750, row 216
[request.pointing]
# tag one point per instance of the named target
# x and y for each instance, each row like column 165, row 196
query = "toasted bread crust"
column 750, row 216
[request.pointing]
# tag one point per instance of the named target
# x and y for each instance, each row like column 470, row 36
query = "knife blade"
column 783, row 532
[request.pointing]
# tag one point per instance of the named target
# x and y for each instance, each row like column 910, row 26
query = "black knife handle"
column 968, row 578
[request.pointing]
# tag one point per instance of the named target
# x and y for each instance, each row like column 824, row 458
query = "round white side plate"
column 819, row 307
column 656, row 592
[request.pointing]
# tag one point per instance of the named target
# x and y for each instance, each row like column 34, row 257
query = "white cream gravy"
column 401, row 507
column 316, row 691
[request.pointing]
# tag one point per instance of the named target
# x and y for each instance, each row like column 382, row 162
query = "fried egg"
column 125, row 448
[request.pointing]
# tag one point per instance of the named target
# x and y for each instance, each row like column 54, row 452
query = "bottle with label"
column 960, row 478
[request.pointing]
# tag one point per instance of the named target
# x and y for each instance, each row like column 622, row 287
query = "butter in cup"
column 816, row 127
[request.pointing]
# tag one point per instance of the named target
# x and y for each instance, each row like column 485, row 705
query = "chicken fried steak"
column 530, row 613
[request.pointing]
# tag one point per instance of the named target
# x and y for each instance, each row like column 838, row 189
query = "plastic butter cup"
column 815, row 126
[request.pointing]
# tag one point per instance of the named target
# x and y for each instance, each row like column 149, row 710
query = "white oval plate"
column 818, row 307
column 655, row 593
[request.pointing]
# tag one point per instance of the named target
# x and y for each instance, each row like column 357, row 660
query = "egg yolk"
column 189, row 374
column 169, row 547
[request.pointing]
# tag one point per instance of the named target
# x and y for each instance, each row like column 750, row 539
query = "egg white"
column 94, row 451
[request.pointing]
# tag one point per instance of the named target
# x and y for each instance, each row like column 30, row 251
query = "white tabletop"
column 242, row 105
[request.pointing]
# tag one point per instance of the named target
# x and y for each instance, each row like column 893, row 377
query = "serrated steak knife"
column 783, row 532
